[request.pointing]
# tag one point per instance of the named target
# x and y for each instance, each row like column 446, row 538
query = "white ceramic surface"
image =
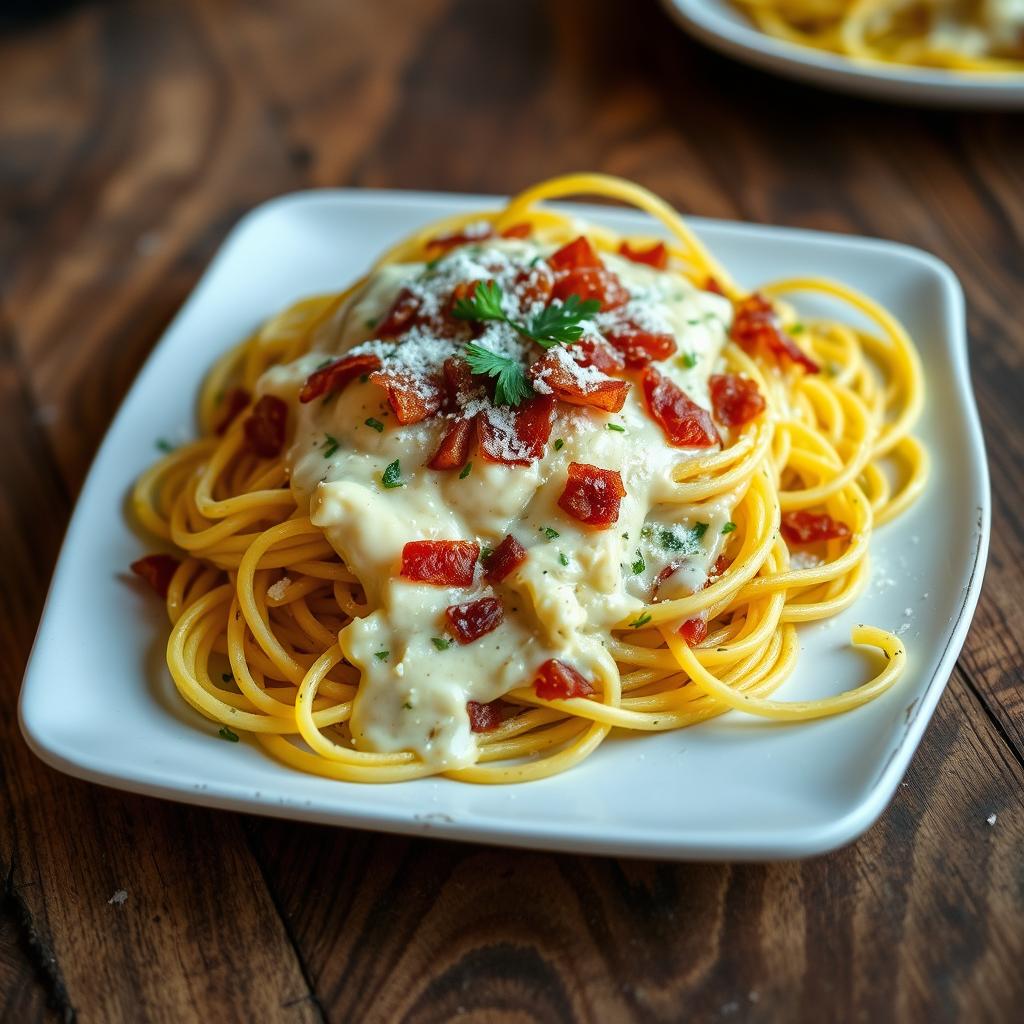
column 98, row 702
column 724, row 28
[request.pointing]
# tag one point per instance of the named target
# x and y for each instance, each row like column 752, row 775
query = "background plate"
column 97, row 700
column 724, row 28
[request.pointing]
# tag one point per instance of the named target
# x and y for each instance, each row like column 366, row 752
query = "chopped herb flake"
column 485, row 552
column 688, row 360
column 797, row 329
column 642, row 621
column 442, row 643
column 331, row 446
column 549, row 533
column 372, row 322
column 374, row 424
column 407, row 706
column 382, row 655
column 562, row 558
column 164, row 445
column 559, row 443
column 466, row 470
column 616, row 427
column 728, row 528
column 639, row 565
column 392, row 476
column 226, row 734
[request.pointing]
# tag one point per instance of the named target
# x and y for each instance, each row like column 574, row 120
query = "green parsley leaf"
column 483, row 304
column 616, row 427
column 559, row 444
column 164, row 445
column 512, row 386
column 699, row 529
column 728, row 528
column 442, row 643
column 549, row 533
column 226, row 734
column 675, row 542
column 642, row 621
column 466, row 470
column 688, row 360
column 331, row 446
column 374, row 424
column 562, row 559
column 382, row 655
column 639, row 565
column 558, row 324
column 392, row 476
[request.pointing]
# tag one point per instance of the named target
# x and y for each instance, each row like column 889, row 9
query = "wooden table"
column 131, row 137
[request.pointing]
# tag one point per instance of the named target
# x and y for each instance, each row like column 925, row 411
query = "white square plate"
column 725, row 28
column 98, row 702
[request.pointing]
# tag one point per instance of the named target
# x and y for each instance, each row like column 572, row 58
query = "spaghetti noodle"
column 958, row 35
column 525, row 483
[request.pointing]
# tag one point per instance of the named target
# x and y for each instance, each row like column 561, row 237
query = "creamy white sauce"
column 572, row 588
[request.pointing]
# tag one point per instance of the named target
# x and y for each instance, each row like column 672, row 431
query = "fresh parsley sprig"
column 512, row 387
column 554, row 325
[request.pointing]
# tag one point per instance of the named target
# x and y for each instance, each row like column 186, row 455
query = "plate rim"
column 796, row 841
column 882, row 81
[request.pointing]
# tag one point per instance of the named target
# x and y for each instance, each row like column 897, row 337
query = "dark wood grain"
column 131, row 137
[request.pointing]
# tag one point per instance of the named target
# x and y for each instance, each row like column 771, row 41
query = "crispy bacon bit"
column 575, row 255
column 442, row 563
column 231, row 406
column 639, row 347
column 156, row 570
column 486, row 717
column 694, row 631
column 411, row 398
column 401, row 316
column 592, row 495
column 470, row 233
column 532, row 425
column 656, row 256
column 595, row 352
column 521, row 230
column 558, row 681
column 337, row 376
column 756, row 327
column 711, row 285
column 505, row 559
column 721, row 564
column 605, row 393
column 472, row 620
column 455, row 446
column 735, row 400
column 599, row 284
column 807, row 527
column 684, row 422
column 265, row 427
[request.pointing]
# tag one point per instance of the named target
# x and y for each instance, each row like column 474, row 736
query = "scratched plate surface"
column 97, row 700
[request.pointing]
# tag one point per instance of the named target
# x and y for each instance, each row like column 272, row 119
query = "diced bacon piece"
column 412, row 398
column 592, row 495
column 711, row 285
column 533, row 285
column 265, row 427
column 455, row 446
column 337, row 376
column 157, row 571
column 756, row 327
column 639, row 347
column 557, row 680
column 804, row 527
column 531, row 425
column 595, row 352
column 401, row 316
column 442, row 563
column 575, row 255
column 721, row 564
column 521, row 230
column 470, row 233
column 683, row 421
column 587, row 283
column 231, row 407
column 473, row 619
column 505, row 559
column 486, row 717
column 735, row 400
column 458, row 378
column 694, row 631
column 656, row 256
column 605, row 393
